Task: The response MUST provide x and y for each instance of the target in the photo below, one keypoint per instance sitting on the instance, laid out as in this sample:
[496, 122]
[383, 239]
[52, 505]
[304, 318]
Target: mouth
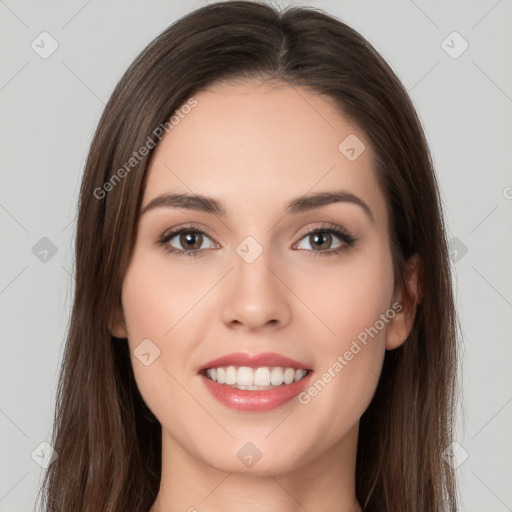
[254, 382]
[255, 379]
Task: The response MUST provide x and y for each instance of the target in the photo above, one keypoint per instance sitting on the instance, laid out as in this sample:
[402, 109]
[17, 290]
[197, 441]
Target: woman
[263, 313]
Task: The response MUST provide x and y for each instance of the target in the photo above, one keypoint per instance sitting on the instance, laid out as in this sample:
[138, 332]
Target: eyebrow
[297, 205]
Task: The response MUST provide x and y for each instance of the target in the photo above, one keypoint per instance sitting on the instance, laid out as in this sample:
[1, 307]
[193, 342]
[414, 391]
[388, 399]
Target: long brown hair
[108, 441]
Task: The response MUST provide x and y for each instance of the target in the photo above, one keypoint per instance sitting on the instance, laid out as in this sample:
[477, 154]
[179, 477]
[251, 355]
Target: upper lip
[254, 361]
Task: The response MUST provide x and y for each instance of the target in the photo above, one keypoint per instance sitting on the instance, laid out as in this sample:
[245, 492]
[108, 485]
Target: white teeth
[244, 377]
[230, 375]
[289, 375]
[299, 374]
[276, 376]
[262, 376]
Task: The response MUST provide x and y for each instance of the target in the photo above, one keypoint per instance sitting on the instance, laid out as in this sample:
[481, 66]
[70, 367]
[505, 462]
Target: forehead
[247, 141]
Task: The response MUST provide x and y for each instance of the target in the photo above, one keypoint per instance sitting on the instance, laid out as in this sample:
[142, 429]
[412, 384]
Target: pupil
[320, 238]
[191, 240]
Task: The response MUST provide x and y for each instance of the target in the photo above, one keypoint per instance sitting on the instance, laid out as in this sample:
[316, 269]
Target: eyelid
[324, 226]
[195, 228]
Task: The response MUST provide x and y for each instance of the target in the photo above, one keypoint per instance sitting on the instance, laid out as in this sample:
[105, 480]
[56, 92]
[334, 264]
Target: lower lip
[246, 400]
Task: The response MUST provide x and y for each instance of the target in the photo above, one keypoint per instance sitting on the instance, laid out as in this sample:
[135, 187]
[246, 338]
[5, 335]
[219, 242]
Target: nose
[255, 296]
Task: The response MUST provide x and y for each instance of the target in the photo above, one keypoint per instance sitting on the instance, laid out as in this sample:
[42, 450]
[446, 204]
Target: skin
[254, 146]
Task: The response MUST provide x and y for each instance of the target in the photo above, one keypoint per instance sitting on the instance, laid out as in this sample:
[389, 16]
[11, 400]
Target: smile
[254, 382]
[255, 379]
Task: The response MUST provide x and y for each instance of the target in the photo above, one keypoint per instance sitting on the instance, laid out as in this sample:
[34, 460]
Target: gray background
[50, 107]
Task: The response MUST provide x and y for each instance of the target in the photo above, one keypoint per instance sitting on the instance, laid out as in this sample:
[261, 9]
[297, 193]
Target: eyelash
[347, 239]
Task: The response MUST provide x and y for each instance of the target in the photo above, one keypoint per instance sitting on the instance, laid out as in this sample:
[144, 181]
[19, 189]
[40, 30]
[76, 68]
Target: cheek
[158, 306]
[357, 308]
[353, 301]
[156, 300]
[157, 296]
[349, 298]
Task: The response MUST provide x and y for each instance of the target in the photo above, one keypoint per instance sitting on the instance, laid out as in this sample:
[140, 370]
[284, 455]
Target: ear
[117, 324]
[408, 296]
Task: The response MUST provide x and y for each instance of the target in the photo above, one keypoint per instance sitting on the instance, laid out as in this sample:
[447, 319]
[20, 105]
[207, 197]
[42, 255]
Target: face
[260, 278]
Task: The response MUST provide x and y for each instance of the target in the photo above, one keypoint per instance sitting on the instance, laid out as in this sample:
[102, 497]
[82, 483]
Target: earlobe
[401, 325]
[117, 324]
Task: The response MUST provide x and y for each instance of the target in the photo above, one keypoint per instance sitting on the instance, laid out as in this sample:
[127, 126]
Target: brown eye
[327, 240]
[191, 240]
[320, 240]
[186, 241]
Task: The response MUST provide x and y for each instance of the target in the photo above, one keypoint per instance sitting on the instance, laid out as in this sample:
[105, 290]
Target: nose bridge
[251, 270]
[256, 296]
